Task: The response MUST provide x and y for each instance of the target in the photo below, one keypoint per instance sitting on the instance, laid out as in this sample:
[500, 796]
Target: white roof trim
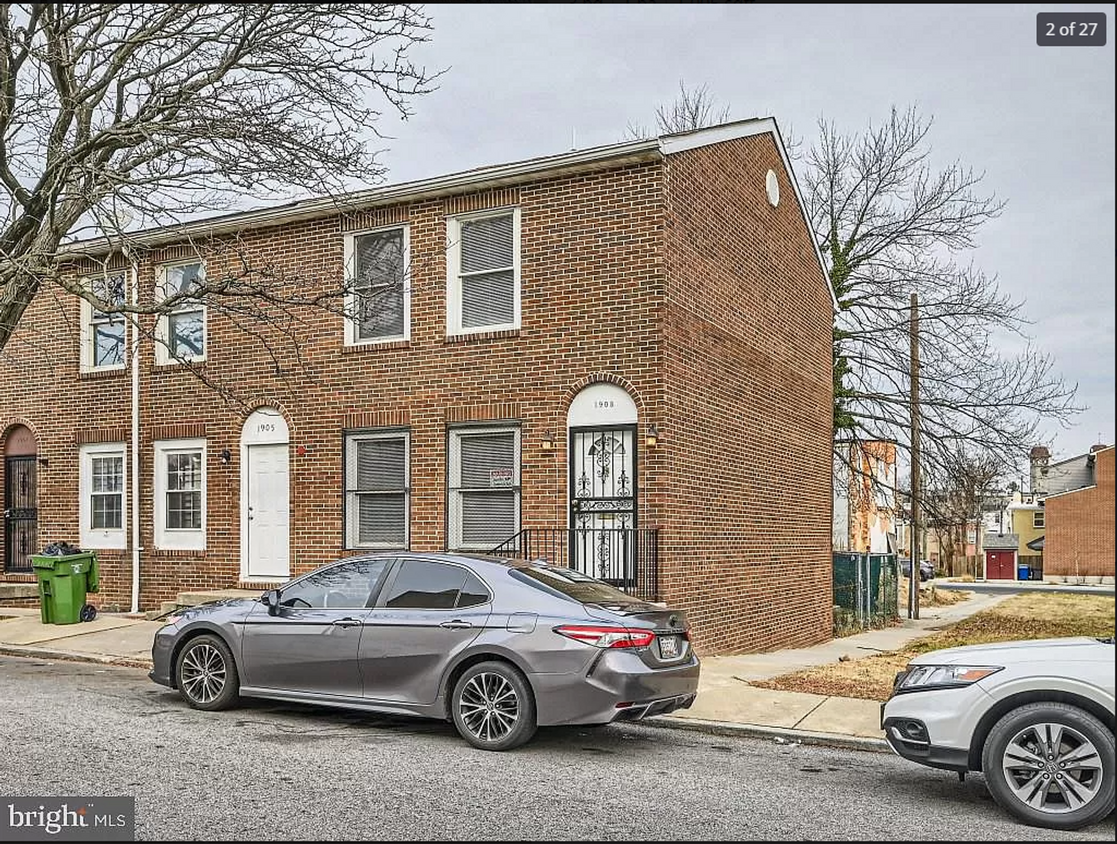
[745, 129]
[1069, 491]
[482, 178]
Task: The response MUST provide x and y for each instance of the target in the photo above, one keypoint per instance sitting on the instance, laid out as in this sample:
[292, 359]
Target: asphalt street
[274, 771]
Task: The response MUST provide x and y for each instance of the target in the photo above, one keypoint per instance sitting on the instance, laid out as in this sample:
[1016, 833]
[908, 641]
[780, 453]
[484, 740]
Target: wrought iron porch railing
[627, 558]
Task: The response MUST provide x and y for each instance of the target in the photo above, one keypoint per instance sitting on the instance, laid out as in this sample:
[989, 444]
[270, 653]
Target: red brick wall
[748, 430]
[1079, 539]
[591, 269]
[717, 325]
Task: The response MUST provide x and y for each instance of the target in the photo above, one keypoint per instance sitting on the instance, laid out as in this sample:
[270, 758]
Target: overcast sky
[1038, 120]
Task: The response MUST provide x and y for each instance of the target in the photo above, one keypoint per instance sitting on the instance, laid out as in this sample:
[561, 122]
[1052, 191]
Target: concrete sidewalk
[726, 703]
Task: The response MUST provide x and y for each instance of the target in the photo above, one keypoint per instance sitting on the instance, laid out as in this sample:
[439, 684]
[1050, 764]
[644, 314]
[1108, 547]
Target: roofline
[1071, 491]
[1085, 454]
[482, 178]
[744, 129]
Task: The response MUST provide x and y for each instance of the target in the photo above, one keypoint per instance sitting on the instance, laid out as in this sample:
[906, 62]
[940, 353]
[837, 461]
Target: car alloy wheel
[492, 707]
[489, 706]
[206, 674]
[1052, 768]
[1051, 765]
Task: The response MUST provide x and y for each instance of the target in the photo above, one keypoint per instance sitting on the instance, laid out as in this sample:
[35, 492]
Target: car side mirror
[270, 599]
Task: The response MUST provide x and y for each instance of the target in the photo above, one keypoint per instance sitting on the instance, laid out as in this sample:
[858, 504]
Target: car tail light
[606, 636]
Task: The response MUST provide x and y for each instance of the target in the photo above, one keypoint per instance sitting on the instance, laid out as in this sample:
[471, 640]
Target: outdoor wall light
[652, 438]
[226, 456]
[548, 443]
[44, 461]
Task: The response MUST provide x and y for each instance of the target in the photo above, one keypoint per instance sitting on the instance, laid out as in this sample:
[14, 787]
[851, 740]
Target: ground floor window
[180, 494]
[377, 494]
[102, 489]
[484, 487]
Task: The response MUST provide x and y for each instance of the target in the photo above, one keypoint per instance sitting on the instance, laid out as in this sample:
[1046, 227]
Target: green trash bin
[63, 583]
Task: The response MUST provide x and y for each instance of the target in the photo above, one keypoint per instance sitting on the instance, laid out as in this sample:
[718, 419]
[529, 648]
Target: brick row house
[616, 358]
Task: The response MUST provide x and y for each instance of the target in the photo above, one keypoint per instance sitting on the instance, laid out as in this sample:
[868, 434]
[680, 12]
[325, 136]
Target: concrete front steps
[193, 599]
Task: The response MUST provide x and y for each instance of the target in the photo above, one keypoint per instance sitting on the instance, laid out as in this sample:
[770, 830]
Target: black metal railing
[627, 558]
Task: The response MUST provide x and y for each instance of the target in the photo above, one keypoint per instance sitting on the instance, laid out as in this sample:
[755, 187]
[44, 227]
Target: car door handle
[346, 622]
[456, 625]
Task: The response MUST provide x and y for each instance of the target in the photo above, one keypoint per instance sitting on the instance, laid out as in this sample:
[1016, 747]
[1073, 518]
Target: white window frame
[101, 538]
[163, 356]
[453, 271]
[1039, 519]
[453, 482]
[188, 539]
[352, 522]
[88, 334]
[351, 296]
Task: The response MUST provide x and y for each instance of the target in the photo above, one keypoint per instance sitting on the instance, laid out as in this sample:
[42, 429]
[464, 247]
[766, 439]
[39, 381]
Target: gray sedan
[497, 646]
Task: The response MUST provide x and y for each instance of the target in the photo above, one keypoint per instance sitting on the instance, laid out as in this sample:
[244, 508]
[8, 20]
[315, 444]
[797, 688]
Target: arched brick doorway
[21, 495]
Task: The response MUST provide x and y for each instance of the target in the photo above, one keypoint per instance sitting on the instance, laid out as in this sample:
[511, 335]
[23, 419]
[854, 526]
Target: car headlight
[944, 676]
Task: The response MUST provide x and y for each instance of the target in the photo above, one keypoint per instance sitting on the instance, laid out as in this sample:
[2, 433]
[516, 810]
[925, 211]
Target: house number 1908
[604, 403]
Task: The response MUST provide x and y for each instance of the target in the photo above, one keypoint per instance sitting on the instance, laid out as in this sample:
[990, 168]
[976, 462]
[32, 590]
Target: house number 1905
[265, 427]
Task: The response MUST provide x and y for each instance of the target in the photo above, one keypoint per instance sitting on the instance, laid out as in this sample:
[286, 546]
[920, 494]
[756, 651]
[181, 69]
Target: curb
[780, 734]
[73, 656]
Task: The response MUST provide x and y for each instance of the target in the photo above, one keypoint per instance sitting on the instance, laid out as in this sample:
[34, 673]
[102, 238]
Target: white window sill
[486, 329]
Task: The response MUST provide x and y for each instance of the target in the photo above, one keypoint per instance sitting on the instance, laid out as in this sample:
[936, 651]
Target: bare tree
[116, 116]
[890, 224]
[693, 108]
[954, 504]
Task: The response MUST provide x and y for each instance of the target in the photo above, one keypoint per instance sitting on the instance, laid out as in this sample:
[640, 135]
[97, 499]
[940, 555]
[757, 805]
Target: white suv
[1037, 717]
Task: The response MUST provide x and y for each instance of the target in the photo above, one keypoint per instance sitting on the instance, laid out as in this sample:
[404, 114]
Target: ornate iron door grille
[603, 496]
[20, 514]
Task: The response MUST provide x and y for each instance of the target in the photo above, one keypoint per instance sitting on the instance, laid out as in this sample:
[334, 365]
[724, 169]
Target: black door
[603, 503]
[20, 514]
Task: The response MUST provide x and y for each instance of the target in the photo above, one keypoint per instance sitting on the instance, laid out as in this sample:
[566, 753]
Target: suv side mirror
[270, 599]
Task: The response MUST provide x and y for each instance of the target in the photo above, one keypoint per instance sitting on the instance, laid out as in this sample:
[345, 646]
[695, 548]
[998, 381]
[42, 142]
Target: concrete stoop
[193, 599]
[18, 591]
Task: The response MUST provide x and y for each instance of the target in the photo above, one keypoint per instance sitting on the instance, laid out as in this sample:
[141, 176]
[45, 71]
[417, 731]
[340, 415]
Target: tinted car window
[473, 592]
[427, 586]
[347, 586]
[573, 584]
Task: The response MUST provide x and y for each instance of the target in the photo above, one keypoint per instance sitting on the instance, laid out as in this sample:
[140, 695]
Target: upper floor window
[182, 330]
[180, 494]
[102, 344]
[483, 272]
[1038, 519]
[379, 297]
[103, 487]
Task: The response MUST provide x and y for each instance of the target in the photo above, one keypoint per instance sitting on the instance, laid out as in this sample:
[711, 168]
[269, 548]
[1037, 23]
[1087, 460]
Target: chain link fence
[865, 591]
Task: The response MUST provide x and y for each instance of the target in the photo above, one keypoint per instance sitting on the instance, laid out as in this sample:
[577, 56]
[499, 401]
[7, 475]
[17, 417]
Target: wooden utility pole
[913, 580]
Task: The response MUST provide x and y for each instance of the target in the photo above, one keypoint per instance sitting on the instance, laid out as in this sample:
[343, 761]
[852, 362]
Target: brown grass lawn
[1036, 616]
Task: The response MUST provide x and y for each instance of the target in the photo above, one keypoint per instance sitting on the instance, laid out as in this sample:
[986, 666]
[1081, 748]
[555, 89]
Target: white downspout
[134, 299]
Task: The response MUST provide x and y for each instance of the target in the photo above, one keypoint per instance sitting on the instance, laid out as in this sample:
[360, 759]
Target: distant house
[865, 509]
[1079, 514]
[1079, 539]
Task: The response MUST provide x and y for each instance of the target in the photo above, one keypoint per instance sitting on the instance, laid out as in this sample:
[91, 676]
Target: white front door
[268, 511]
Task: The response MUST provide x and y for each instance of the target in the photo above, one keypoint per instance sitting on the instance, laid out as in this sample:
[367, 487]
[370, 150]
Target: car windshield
[573, 584]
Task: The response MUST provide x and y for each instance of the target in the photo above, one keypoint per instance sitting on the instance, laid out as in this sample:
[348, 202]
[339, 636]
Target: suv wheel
[1051, 765]
[206, 675]
[493, 707]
